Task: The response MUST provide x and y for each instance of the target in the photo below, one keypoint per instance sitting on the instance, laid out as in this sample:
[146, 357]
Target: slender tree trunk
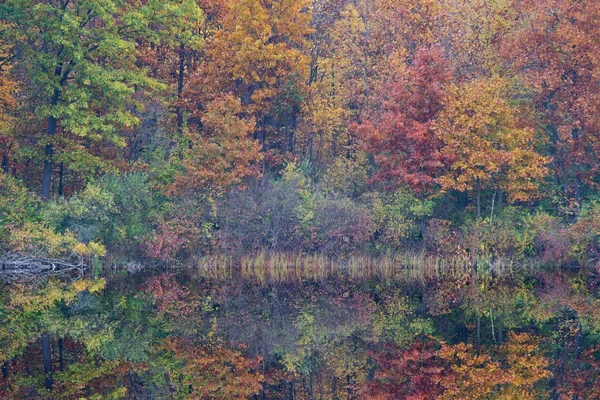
[493, 329]
[500, 201]
[47, 358]
[577, 343]
[334, 390]
[50, 132]
[478, 199]
[349, 386]
[310, 386]
[576, 169]
[48, 164]
[577, 184]
[61, 178]
[492, 213]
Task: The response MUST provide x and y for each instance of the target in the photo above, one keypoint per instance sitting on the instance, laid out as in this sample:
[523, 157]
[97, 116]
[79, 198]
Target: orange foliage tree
[258, 56]
[222, 154]
[213, 373]
[486, 144]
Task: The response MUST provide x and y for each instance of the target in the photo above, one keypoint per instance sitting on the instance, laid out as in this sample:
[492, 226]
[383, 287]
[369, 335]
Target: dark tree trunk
[478, 188]
[61, 173]
[349, 387]
[47, 358]
[576, 171]
[52, 123]
[63, 75]
[48, 164]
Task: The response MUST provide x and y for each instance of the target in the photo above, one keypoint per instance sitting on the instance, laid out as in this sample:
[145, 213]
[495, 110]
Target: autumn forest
[300, 199]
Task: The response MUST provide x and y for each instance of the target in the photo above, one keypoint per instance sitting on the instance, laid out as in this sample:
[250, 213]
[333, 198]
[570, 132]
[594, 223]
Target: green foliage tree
[79, 63]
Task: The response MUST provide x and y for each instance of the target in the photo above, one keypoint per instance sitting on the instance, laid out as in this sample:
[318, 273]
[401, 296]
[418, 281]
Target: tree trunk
[492, 213]
[478, 199]
[61, 173]
[47, 358]
[310, 386]
[349, 386]
[576, 170]
[493, 329]
[47, 177]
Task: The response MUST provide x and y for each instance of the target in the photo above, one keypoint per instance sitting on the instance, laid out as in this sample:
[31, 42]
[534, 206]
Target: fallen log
[19, 267]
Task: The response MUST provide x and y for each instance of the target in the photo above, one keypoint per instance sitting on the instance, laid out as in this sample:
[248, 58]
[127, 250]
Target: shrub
[443, 239]
[337, 225]
[550, 239]
[118, 211]
[187, 229]
[585, 237]
[399, 217]
[503, 238]
[136, 206]
[345, 177]
[17, 206]
[39, 240]
[559, 244]
[265, 215]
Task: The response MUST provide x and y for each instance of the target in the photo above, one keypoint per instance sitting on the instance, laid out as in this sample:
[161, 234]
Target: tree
[171, 51]
[222, 154]
[32, 314]
[486, 144]
[415, 374]
[525, 366]
[7, 103]
[474, 376]
[80, 62]
[213, 372]
[474, 31]
[257, 56]
[406, 147]
[554, 53]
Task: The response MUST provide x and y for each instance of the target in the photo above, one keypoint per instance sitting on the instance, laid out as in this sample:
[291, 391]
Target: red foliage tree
[555, 54]
[414, 374]
[403, 140]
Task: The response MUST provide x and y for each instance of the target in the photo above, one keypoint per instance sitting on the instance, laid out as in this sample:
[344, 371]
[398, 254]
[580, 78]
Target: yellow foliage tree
[7, 102]
[486, 144]
[256, 55]
[222, 154]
